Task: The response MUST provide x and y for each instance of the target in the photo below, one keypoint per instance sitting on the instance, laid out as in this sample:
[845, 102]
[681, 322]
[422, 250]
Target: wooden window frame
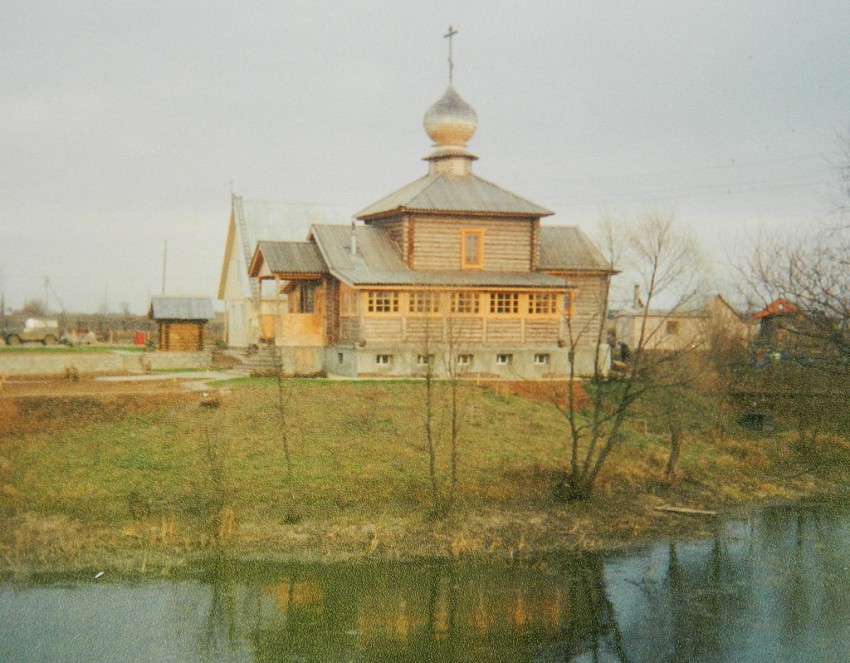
[424, 302]
[542, 303]
[457, 306]
[478, 263]
[504, 303]
[382, 302]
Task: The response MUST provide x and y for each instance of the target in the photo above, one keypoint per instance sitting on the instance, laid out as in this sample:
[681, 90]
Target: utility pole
[164, 262]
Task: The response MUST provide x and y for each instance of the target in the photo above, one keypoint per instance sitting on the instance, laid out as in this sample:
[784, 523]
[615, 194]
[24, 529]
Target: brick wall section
[55, 363]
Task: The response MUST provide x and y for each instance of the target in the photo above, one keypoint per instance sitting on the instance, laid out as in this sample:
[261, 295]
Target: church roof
[257, 220]
[267, 220]
[377, 262]
[375, 251]
[438, 192]
[565, 248]
[292, 257]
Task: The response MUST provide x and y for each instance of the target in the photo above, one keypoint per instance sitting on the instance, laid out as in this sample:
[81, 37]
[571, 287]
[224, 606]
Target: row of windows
[503, 359]
[430, 302]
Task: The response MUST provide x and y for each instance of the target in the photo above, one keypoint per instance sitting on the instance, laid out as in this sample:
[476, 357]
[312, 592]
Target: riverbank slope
[326, 471]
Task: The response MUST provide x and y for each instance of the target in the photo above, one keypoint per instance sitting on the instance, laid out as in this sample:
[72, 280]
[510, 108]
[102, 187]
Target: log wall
[181, 336]
[507, 243]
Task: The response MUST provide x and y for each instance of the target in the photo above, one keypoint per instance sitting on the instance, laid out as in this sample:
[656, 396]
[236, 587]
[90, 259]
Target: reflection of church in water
[436, 612]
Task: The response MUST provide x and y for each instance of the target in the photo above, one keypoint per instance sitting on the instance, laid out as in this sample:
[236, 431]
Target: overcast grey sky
[123, 124]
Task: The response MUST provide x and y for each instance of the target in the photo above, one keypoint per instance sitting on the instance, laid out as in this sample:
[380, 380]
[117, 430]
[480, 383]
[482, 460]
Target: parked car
[78, 337]
[35, 330]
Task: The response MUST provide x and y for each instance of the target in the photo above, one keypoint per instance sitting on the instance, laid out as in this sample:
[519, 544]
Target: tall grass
[360, 459]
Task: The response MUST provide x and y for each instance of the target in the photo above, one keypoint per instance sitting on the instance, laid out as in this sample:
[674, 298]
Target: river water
[774, 587]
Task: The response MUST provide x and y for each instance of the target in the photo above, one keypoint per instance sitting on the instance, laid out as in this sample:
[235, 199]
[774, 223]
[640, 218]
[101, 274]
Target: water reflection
[771, 588]
[555, 610]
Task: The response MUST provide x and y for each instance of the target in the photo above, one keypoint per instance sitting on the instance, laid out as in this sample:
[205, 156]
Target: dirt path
[91, 386]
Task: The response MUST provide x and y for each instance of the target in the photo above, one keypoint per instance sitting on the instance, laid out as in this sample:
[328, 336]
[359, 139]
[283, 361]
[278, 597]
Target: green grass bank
[141, 482]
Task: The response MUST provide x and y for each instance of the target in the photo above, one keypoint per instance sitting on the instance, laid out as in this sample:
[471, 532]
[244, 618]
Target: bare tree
[442, 372]
[811, 337]
[667, 261]
[812, 273]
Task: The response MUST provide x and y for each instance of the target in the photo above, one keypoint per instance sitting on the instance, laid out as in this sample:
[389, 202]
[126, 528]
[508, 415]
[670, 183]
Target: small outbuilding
[180, 321]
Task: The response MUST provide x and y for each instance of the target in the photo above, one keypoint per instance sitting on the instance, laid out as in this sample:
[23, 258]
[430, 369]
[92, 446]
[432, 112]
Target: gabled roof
[453, 194]
[779, 306]
[253, 221]
[289, 258]
[181, 308]
[377, 262]
[566, 248]
[266, 220]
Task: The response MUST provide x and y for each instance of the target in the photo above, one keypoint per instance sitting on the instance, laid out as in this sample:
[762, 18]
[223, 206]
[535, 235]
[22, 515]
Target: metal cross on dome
[451, 33]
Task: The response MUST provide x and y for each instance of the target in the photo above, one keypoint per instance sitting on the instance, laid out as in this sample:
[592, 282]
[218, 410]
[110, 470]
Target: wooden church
[451, 270]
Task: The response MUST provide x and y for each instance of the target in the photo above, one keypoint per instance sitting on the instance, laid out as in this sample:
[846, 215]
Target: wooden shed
[180, 321]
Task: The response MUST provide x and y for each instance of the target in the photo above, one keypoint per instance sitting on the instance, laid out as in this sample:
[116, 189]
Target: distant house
[252, 221]
[180, 321]
[672, 331]
[776, 322]
[449, 261]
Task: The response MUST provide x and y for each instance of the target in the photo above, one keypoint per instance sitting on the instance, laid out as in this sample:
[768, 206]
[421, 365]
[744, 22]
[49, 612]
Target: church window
[504, 303]
[424, 302]
[382, 301]
[465, 302]
[542, 303]
[473, 249]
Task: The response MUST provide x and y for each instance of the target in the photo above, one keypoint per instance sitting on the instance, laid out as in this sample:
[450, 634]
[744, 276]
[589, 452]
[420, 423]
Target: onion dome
[450, 122]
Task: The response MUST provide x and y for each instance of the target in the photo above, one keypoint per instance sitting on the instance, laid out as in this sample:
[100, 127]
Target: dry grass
[140, 479]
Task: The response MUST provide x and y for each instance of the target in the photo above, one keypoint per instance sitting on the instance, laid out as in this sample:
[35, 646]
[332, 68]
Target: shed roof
[439, 192]
[564, 248]
[181, 308]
